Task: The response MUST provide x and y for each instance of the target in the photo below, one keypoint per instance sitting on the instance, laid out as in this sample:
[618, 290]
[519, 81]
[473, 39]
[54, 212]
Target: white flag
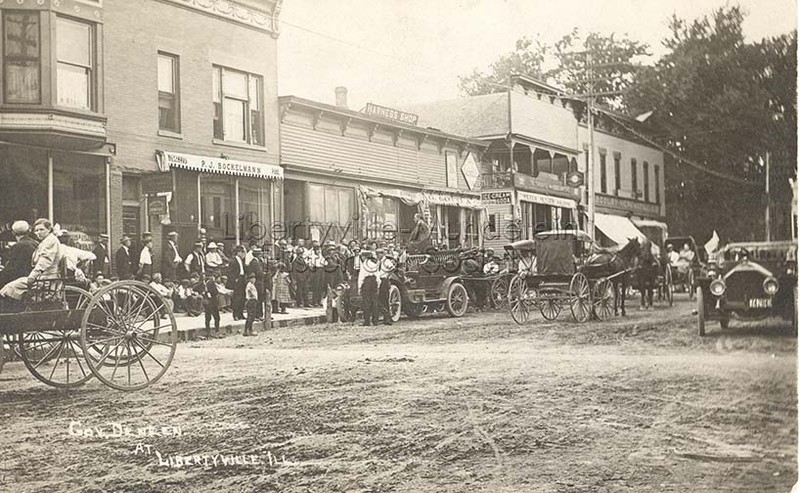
[712, 244]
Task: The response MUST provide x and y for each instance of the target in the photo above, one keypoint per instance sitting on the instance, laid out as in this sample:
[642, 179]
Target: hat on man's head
[251, 276]
[198, 244]
[103, 236]
[257, 249]
[172, 233]
[212, 246]
[124, 238]
[20, 227]
[146, 234]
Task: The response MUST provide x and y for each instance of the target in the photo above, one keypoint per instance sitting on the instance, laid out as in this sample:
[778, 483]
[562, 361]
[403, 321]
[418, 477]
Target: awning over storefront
[538, 198]
[208, 164]
[619, 229]
[427, 196]
[650, 223]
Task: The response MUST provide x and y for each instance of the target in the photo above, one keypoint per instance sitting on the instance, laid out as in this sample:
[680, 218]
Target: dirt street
[435, 405]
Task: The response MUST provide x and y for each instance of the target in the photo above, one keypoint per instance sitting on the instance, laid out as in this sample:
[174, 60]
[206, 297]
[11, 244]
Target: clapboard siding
[542, 120]
[301, 146]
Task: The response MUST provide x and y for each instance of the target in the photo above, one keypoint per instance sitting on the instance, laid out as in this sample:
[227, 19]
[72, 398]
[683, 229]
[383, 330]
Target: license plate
[760, 303]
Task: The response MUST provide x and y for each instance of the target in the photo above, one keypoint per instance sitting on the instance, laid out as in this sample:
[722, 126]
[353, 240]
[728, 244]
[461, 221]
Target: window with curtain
[74, 45]
[238, 106]
[168, 93]
[21, 57]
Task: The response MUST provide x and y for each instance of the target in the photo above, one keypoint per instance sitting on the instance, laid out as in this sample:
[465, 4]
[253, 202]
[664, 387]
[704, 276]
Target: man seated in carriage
[46, 262]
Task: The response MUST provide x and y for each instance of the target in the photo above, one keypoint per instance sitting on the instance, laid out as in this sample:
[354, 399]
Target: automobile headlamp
[717, 287]
[771, 286]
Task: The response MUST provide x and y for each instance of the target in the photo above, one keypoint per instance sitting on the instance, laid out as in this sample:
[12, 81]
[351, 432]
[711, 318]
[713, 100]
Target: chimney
[341, 97]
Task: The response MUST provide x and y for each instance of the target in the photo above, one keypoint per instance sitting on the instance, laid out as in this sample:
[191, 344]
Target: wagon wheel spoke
[550, 309]
[580, 297]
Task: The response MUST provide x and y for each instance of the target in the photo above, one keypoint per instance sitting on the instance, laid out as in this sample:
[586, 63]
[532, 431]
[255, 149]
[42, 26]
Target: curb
[236, 327]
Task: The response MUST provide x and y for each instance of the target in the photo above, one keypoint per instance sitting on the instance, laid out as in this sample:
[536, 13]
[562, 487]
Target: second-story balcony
[497, 180]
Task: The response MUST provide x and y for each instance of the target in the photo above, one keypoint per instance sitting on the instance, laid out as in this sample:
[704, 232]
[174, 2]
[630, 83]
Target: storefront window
[23, 184]
[254, 207]
[21, 57]
[382, 221]
[79, 192]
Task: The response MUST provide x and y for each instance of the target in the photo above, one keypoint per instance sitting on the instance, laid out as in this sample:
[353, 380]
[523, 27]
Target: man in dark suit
[123, 259]
[256, 267]
[101, 262]
[171, 258]
[19, 255]
[237, 281]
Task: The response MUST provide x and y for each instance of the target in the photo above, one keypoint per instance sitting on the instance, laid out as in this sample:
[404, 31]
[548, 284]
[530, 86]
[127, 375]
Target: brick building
[121, 116]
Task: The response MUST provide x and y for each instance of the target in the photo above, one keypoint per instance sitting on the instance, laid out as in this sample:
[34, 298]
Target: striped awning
[222, 166]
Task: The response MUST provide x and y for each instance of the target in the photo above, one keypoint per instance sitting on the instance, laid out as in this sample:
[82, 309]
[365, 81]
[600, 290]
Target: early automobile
[748, 281]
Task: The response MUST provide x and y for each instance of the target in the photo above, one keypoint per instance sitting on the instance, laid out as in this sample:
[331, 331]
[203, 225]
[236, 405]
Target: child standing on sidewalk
[251, 304]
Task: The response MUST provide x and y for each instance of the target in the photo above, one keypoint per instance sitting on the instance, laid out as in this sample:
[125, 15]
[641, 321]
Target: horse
[646, 270]
[616, 266]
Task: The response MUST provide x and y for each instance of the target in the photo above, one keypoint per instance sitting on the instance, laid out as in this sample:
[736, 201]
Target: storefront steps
[193, 328]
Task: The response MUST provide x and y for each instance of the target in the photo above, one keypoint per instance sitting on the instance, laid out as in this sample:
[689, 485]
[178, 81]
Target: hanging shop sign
[157, 206]
[471, 171]
[207, 164]
[153, 183]
[497, 198]
[391, 114]
[538, 198]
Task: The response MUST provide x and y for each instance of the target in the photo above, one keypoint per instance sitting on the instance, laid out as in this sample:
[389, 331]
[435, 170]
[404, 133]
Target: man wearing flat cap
[19, 255]
[101, 260]
[123, 258]
[170, 259]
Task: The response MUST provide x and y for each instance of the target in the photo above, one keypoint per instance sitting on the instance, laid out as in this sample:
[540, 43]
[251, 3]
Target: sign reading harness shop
[206, 164]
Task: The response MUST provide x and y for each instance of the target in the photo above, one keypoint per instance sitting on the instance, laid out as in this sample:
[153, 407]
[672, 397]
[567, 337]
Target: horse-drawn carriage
[124, 334]
[421, 283]
[486, 277]
[559, 269]
[684, 270]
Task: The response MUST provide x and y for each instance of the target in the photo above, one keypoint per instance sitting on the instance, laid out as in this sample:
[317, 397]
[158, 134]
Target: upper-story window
[646, 176]
[634, 178]
[75, 53]
[656, 170]
[603, 172]
[21, 57]
[617, 173]
[169, 112]
[238, 106]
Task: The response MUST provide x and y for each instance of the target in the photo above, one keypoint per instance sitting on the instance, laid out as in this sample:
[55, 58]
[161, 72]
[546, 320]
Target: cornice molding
[48, 122]
[267, 21]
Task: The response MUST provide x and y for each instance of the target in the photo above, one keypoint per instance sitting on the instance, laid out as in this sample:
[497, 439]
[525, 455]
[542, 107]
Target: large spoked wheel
[395, 303]
[690, 283]
[498, 298]
[518, 306]
[669, 289]
[603, 299]
[550, 309]
[701, 312]
[457, 300]
[580, 301]
[55, 357]
[129, 335]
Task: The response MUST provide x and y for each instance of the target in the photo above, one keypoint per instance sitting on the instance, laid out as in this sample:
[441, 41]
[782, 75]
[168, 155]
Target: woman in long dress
[45, 261]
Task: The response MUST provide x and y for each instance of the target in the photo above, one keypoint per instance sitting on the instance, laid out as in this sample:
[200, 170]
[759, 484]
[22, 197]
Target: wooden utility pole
[766, 212]
[590, 161]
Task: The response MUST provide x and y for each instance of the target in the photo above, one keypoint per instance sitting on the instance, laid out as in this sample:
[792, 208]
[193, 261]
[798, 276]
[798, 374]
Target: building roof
[475, 116]
[419, 128]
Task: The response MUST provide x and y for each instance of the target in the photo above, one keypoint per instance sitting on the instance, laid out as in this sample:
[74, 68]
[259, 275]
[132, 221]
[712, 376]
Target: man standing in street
[256, 268]
[146, 258]
[236, 282]
[124, 262]
[101, 262]
[171, 259]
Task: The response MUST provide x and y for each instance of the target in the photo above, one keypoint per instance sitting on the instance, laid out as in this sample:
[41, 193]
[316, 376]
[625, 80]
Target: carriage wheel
[457, 299]
[603, 299]
[499, 293]
[395, 303]
[520, 311]
[550, 309]
[580, 301]
[690, 283]
[55, 357]
[669, 289]
[129, 335]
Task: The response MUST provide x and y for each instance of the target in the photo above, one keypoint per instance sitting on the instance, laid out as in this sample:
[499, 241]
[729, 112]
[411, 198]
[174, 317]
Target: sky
[396, 52]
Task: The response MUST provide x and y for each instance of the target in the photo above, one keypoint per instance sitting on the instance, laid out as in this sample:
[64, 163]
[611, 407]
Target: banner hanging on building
[207, 164]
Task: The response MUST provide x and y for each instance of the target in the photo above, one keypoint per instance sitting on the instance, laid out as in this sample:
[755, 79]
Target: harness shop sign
[496, 198]
[207, 164]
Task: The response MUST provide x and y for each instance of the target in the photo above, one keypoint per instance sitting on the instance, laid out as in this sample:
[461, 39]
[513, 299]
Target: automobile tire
[701, 312]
